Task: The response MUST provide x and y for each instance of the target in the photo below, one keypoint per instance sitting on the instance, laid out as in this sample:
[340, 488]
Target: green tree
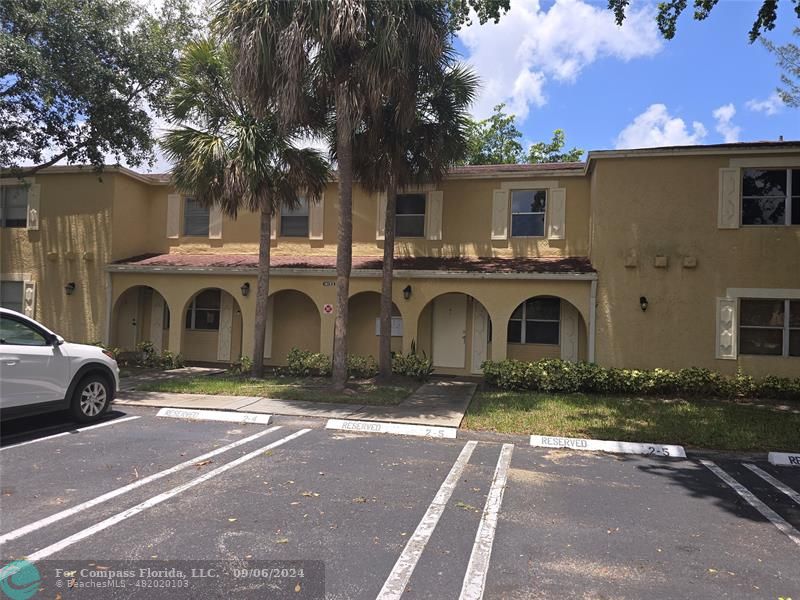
[549, 152]
[494, 141]
[412, 140]
[225, 155]
[788, 60]
[670, 10]
[79, 79]
[344, 56]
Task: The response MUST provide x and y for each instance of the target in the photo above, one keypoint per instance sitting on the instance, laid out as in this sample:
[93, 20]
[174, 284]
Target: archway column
[326, 327]
[499, 334]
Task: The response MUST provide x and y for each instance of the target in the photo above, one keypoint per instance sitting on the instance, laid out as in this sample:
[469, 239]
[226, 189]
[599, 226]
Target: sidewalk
[437, 403]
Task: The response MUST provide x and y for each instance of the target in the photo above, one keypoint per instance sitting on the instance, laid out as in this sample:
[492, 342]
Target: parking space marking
[151, 502]
[397, 581]
[26, 529]
[784, 459]
[662, 450]
[214, 415]
[774, 482]
[396, 428]
[478, 567]
[748, 496]
[71, 432]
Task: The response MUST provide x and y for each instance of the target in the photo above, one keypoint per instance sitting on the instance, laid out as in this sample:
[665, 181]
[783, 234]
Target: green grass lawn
[314, 389]
[711, 424]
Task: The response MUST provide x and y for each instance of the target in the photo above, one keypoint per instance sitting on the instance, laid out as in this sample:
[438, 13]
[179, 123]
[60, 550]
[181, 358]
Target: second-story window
[195, 218]
[203, 312]
[528, 209]
[294, 222]
[410, 218]
[771, 197]
[13, 205]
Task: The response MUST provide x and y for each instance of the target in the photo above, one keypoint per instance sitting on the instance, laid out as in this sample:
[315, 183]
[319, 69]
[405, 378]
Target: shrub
[169, 360]
[361, 367]
[302, 363]
[412, 365]
[243, 366]
[555, 375]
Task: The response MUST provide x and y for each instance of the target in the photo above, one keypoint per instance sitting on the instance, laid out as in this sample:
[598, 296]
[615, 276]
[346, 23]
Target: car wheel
[91, 398]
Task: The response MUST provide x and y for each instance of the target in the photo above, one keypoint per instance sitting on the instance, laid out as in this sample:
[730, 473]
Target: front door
[480, 336]
[450, 331]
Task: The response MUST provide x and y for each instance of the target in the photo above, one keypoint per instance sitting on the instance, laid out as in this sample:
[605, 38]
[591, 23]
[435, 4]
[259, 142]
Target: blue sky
[564, 64]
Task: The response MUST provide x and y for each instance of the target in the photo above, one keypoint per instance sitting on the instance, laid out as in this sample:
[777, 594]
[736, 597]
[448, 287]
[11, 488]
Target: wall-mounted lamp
[407, 292]
[643, 303]
[69, 288]
[245, 288]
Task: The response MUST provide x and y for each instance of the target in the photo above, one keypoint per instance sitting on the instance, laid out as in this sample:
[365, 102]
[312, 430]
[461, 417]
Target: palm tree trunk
[262, 292]
[344, 249]
[385, 347]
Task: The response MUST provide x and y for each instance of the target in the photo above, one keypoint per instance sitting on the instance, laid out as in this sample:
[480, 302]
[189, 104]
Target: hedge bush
[555, 375]
[412, 365]
[303, 363]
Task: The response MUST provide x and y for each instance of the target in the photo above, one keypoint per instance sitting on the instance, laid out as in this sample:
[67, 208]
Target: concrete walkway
[438, 403]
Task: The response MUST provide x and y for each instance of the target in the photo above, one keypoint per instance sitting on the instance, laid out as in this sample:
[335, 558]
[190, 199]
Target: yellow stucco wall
[668, 206]
[296, 324]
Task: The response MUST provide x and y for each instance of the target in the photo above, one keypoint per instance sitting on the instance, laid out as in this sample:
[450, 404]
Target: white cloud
[769, 106]
[516, 57]
[656, 127]
[724, 116]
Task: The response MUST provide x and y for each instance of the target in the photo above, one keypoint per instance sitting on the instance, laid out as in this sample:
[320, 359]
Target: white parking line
[12, 535]
[748, 496]
[398, 579]
[70, 432]
[478, 567]
[141, 507]
[774, 482]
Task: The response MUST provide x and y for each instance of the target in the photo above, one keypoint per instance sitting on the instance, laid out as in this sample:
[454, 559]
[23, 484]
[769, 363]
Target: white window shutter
[215, 222]
[29, 299]
[173, 216]
[380, 224]
[556, 213]
[225, 328]
[726, 328]
[500, 215]
[273, 225]
[316, 219]
[34, 212]
[433, 215]
[729, 199]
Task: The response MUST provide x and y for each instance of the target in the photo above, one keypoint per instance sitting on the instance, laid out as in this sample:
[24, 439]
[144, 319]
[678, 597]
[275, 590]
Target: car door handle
[9, 361]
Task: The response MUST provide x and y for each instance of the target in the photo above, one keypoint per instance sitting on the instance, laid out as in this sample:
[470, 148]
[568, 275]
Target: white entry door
[450, 331]
[480, 336]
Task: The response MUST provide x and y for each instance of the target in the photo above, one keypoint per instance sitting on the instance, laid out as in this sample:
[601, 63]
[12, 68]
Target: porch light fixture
[407, 292]
[69, 288]
[643, 303]
[245, 288]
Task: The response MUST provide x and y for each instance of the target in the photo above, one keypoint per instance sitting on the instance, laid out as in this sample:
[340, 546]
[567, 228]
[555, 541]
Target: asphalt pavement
[152, 507]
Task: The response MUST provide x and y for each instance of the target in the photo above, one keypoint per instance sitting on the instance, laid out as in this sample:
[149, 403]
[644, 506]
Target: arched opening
[140, 314]
[212, 327]
[364, 327]
[546, 327]
[293, 321]
[454, 331]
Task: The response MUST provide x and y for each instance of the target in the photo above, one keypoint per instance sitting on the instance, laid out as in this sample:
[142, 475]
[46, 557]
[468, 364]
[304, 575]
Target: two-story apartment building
[666, 257]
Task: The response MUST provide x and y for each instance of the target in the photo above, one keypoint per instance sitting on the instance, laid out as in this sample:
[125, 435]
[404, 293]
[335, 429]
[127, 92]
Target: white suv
[40, 372]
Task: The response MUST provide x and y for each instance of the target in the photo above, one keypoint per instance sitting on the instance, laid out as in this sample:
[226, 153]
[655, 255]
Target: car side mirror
[57, 340]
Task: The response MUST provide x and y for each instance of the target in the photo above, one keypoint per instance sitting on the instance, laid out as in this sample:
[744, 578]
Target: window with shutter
[13, 206]
[410, 216]
[769, 327]
[528, 208]
[536, 321]
[294, 222]
[11, 295]
[195, 218]
[771, 196]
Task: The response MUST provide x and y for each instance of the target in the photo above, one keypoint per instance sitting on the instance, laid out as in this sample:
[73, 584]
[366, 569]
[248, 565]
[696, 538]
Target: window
[13, 205]
[17, 333]
[195, 218]
[536, 321]
[203, 312]
[527, 212]
[769, 327]
[771, 197]
[294, 222]
[410, 217]
[11, 295]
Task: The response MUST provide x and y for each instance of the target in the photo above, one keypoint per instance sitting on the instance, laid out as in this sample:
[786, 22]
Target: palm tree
[343, 56]
[392, 153]
[224, 155]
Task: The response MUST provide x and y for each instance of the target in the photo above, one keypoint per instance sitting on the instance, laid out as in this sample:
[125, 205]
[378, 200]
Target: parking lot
[384, 516]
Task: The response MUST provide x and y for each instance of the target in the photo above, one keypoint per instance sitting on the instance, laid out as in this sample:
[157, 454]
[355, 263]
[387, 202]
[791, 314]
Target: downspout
[592, 318]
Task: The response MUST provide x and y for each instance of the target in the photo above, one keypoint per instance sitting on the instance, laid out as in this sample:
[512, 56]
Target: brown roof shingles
[576, 264]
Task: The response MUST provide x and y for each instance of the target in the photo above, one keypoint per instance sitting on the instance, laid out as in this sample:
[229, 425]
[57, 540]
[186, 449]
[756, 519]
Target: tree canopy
[496, 141]
[670, 10]
[81, 80]
[788, 60]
